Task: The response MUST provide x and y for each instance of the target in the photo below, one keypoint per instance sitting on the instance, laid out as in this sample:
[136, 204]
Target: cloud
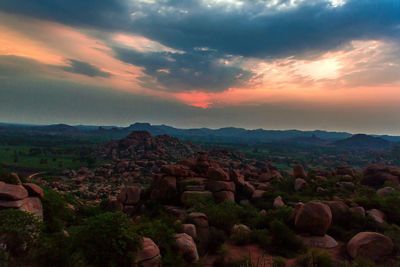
[246, 28]
[84, 68]
[195, 70]
[105, 14]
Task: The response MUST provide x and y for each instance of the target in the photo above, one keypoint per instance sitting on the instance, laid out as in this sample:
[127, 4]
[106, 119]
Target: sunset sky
[273, 64]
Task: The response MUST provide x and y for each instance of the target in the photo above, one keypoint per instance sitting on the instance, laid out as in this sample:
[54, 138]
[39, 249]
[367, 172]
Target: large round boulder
[299, 172]
[217, 174]
[313, 218]
[149, 255]
[129, 195]
[186, 247]
[369, 245]
[12, 192]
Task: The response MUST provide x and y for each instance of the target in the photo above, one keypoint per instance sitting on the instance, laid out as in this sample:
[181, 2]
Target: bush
[241, 237]
[55, 212]
[107, 239]
[162, 231]
[216, 239]
[315, 258]
[360, 262]
[284, 240]
[52, 250]
[19, 230]
[226, 214]
[261, 238]
[279, 262]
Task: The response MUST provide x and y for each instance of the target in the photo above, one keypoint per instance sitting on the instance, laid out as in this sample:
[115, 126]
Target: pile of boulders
[26, 197]
[313, 220]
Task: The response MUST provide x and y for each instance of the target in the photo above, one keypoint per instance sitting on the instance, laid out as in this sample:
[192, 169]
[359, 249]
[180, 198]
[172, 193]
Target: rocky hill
[142, 145]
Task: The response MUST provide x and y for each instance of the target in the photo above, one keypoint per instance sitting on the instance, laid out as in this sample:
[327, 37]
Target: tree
[108, 239]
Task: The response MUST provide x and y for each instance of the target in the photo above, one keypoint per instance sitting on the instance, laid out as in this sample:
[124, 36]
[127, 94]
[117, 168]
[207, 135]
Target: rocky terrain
[228, 210]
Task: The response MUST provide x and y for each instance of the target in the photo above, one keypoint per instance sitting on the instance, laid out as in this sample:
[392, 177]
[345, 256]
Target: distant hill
[222, 135]
[236, 135]
[363, 141]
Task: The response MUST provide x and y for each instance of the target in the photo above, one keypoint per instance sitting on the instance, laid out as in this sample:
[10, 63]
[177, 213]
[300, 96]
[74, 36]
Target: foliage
[261, 237]
[52, 250]
[284, 240]
[55, 211]
[20, 230]
[107, 239]
[161, 231]
[279, 262]
[315, 258]
[217, 237]
[226, 214]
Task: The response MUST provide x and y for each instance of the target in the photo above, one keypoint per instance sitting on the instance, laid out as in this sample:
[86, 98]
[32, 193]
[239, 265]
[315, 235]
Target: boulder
[376, 175]
[216, 186]
[199, 219]
[325, 241]
[248, 189]
[34, 190]
[32, 205]
[278, 202]
[358, 211]
[12, 192]
[345, 170]
[299, 172]
[186, 247]
[190, 229]
[240, 229]
[165, 189]
[385, 191]
[237, 177]
[313, 218]
[370, 245]
[223, 196]
[258, 194]
[299, 184]
[340, 211]
[129, 195]
[148, 255]
[377, 215]
[265, 177]
[188, 198]
[176, 170]
[217, 174]
[11, 203]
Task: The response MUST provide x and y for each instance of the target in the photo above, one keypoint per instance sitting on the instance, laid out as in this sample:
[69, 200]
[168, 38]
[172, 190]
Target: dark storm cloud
[186, 71]
[254, 29]
[84, 68]
[106, 14]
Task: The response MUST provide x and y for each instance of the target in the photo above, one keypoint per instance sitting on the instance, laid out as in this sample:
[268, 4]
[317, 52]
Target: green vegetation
[315, 258]
[107, 239]
[20, 231]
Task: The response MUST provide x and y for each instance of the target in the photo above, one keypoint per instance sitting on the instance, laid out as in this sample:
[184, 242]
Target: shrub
[241, 237]
[284, 240]
[393, 231]
[107, 239]
[162, 231]
[217, 238]
[315, 258]
[19, 230]
[279, 262]
[55, 211]
[226, 214]
[262, 238]
[360, 262]
[52, 250]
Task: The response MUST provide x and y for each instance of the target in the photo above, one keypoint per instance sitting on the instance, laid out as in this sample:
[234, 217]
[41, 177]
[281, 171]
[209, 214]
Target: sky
[273, 64]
